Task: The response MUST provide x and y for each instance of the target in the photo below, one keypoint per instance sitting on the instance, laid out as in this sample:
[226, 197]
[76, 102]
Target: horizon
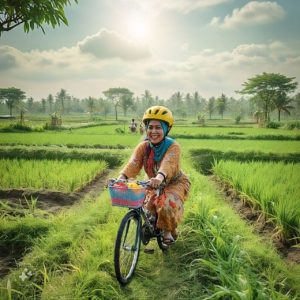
[209, 47]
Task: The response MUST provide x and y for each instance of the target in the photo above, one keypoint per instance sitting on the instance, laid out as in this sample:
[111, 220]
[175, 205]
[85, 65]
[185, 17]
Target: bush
[238, 119]
[274, 125]
[293, 125]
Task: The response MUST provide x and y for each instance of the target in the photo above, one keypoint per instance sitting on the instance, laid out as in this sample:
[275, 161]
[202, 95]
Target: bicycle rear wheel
[127, 247]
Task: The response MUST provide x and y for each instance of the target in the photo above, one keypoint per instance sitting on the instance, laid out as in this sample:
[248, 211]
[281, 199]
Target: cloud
[183, 6]
[253, 13]
[109, 44]
[209, 72]
[8, 57]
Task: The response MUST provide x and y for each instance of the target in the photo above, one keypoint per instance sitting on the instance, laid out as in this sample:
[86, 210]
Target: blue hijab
[161, 148]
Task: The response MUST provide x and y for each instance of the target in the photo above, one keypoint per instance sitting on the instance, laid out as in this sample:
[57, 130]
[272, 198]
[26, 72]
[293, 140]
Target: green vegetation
[66, 176]
[113, 158]
[273, 187]
[69, 254]
[205, 158]
[216, 255]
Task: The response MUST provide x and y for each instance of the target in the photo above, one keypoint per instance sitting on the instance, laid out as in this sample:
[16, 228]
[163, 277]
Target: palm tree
[211, 106]
[50, 101]
[282, 103]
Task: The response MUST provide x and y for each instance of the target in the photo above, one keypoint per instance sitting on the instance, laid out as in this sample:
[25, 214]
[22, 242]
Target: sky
[164, 46]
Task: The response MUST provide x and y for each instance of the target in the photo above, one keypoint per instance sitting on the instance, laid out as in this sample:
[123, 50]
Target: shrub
[273, 125]
[293, 125]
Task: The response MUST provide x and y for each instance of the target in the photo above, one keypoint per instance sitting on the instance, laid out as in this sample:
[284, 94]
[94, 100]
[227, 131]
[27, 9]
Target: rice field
[65, 176]
[217, 255]
[273, 187]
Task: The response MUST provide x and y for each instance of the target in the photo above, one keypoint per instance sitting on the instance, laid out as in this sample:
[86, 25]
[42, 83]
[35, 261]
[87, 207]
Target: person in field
[133, 126]
[159, 156]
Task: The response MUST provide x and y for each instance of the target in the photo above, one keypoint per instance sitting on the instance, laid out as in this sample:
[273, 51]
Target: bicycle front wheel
[127, 247]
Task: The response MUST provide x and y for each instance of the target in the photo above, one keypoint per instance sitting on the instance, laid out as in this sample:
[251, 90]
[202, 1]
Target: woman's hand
[155, 182]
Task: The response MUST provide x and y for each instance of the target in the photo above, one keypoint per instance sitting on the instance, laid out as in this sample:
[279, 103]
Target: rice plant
[67, 176]
[274, 186]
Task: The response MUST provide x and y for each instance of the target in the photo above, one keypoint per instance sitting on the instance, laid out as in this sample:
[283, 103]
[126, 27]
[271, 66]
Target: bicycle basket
[122, 195]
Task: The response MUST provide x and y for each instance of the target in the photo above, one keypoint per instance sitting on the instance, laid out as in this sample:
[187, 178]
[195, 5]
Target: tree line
[260, 96]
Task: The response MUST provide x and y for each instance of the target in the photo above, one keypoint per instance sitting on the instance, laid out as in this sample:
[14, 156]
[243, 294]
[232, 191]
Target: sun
[137, 28]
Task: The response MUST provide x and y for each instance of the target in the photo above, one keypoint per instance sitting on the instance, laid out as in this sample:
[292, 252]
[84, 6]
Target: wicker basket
[122, 195]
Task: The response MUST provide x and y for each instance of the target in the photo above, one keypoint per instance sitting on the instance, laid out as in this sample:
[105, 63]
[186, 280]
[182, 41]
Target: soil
[255, 218]
[49, 202]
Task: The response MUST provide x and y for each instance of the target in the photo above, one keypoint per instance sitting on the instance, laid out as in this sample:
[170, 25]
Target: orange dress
[169, 205]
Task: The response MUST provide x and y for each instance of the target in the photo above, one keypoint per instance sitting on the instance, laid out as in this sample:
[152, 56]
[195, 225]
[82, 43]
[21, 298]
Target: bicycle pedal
[149, 250]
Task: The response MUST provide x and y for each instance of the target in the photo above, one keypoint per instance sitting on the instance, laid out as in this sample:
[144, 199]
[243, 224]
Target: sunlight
[137, 28]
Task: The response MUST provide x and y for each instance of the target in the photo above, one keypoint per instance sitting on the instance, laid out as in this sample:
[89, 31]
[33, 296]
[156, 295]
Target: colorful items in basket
[127, 194]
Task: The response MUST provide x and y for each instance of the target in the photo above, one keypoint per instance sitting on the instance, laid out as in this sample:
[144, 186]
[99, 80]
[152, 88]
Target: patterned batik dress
[169, 205]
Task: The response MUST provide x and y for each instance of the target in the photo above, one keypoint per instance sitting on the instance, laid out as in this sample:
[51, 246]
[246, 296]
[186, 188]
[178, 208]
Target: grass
[274, 187]
[66, 176]
[216, 255]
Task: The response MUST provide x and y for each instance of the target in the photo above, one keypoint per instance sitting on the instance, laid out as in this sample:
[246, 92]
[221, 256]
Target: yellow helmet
[160, 113]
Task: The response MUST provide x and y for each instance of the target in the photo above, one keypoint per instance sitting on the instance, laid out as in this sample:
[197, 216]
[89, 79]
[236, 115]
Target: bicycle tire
[127, 247]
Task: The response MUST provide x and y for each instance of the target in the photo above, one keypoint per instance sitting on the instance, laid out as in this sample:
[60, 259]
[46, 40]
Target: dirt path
[255, 219]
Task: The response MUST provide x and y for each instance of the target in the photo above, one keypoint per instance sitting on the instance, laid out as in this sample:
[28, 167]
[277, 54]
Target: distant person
[133, 126]
[159, 155]
[142, 129]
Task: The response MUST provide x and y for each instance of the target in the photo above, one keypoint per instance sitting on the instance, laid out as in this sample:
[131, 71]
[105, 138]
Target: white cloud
[209, 72]
[253, 13]
[109, 44]
[183, 6]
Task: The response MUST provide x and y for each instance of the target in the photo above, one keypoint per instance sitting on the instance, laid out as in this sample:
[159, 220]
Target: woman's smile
[155, 132]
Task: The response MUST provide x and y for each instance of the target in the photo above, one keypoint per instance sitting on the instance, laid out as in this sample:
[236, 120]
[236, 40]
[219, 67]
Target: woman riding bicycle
[159, 155]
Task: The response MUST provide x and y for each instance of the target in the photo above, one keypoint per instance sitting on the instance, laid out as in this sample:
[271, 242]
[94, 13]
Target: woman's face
[155, 132]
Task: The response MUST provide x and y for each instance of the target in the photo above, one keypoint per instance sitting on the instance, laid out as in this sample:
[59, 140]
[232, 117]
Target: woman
[160, 157]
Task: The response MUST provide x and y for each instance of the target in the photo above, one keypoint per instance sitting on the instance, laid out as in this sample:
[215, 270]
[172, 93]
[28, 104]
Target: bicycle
[138, 225]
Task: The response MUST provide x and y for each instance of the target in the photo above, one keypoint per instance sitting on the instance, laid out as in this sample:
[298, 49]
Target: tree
[115, 95]
[147, 100]
[44, 104]
[222, 104]
[50, 101]
[126, 102]
[91, 103]
[32, 14]
[211, 106]
[104, 107]
[30, 101]
[12, 97]
[61, 97]
[282, 103]
[264, 88]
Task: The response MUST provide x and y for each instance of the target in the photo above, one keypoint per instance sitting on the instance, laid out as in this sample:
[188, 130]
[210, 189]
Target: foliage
[273, 125]
[238, 119]
[222, 104]
[32, 14]
[113, 159]
[283, 103]
[205, 158]
[17, 128]
[67, 176]
[266, 87]
[12, 97]
[293, 125]
[120, 96]
[273, 186]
